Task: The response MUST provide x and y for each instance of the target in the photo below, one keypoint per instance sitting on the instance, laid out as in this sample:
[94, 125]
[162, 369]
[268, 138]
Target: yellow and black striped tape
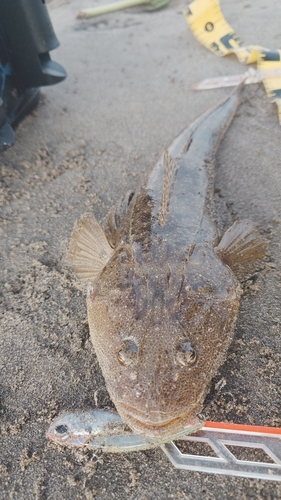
[209, 26]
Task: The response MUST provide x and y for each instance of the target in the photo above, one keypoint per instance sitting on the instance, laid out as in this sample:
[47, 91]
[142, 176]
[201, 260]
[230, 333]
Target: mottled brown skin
[166, 287]
[155, 394]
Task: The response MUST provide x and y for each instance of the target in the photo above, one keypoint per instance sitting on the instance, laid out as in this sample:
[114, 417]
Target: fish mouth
[152, 423]
[141, 415]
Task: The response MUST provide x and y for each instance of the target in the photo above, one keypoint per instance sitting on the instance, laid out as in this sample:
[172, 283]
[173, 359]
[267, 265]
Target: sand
[92, 138]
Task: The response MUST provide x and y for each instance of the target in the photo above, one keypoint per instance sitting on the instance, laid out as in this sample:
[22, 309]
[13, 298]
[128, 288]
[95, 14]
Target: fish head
[160, 336]
[71, 428]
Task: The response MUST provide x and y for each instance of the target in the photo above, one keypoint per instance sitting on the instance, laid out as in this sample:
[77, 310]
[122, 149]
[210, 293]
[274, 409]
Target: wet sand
[92, 138]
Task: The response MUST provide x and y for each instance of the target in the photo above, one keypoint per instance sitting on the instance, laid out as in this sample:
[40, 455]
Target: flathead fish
[162, 296]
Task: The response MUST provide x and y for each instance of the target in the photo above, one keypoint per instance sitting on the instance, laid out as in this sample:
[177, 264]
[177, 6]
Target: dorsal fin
[89, 250]
[170, 168]
[117, 215]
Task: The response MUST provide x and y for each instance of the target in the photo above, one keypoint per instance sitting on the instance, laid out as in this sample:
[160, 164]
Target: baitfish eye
[185, 354]
[127, 353]
[61, 430]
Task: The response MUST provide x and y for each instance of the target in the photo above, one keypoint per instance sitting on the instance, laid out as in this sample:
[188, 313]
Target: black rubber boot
[26, 37]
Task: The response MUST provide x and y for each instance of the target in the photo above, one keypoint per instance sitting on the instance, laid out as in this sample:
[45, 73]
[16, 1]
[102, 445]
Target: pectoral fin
[241, 244]
[89, 250]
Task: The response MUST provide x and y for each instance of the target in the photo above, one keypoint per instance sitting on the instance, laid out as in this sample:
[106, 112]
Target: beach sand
[92, 138]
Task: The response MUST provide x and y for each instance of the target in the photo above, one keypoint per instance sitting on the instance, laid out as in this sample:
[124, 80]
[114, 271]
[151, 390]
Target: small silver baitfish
[105, 430]
[162, 296]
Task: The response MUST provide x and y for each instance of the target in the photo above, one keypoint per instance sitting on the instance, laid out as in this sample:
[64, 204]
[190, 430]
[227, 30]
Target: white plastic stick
[250, 76]
[267, 439]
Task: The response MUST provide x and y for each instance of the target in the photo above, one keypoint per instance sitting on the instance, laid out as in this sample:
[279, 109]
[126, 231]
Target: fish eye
[61, 430]
[127, 353]
[185, 353]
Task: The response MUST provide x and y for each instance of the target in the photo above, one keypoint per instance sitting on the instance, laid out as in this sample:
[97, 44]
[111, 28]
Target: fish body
[162, 304]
